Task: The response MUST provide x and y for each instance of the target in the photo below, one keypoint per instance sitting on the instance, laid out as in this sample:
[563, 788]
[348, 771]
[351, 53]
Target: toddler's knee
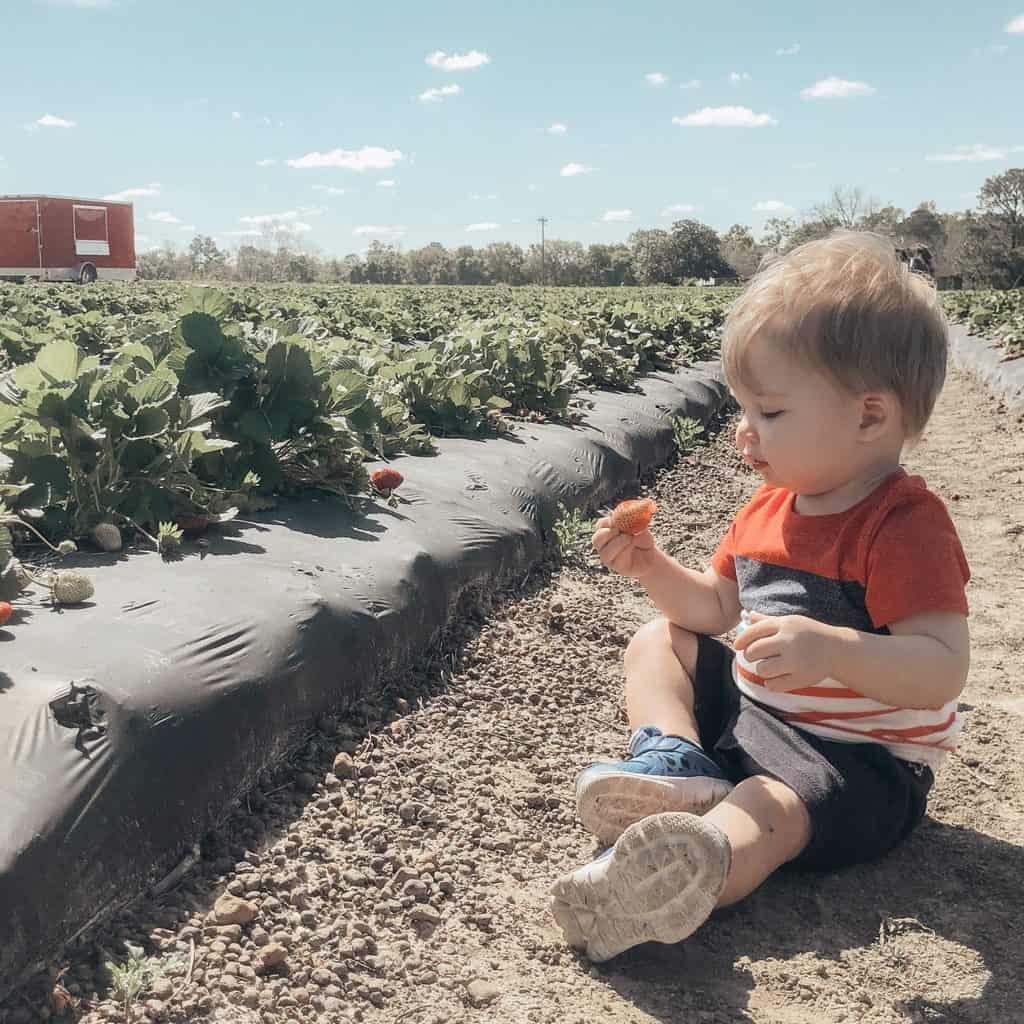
[660, 635]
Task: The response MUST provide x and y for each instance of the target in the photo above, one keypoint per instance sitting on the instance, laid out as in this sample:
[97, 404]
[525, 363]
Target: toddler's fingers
[603, 536]
[614, 547]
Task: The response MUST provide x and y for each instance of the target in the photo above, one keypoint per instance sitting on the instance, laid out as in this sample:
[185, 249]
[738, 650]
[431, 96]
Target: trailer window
[91, 231]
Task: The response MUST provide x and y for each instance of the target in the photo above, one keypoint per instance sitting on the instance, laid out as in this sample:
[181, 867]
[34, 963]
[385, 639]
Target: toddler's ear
[876, 414]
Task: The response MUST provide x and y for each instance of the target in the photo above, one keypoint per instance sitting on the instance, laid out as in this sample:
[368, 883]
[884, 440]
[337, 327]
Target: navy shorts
[862, 800]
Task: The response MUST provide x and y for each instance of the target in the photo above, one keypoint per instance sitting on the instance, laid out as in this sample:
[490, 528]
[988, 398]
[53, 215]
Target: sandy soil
[410, 883]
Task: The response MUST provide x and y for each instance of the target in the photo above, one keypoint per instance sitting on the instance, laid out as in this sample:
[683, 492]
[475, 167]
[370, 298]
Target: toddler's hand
[787, 651]
[624, 553]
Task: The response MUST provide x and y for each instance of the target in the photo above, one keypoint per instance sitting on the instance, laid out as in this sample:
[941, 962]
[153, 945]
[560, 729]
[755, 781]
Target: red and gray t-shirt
[894, 554]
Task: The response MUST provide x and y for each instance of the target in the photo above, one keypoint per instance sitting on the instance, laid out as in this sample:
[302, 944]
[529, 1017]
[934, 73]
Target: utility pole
[542, 221]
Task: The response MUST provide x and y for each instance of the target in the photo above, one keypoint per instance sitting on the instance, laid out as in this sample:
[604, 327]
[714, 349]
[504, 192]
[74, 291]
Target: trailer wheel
[87, 275]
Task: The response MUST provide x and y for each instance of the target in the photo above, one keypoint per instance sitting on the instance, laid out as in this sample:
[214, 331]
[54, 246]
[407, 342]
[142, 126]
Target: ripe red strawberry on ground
[5, 611]
[386, 479]
[634, 515]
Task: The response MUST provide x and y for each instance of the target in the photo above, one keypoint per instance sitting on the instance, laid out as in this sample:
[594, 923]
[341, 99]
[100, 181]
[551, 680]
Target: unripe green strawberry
[71, 587]
[107, 536]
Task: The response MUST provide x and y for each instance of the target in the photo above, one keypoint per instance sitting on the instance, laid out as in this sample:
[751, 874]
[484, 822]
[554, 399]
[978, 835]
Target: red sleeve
[722, 560]
[916, 563]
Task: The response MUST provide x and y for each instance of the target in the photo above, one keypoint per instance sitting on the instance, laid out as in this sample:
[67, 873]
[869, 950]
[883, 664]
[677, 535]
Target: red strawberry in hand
[634, 515]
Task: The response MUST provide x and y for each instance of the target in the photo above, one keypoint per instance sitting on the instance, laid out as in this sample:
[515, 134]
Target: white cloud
[571, 170]
[617, 215]
[693, 83]
[49, 121]
[457, 61]
[490, 195]
[655, 78]
[385, 183]
[331, 190]
[483, 226]
[437, 95]
[247, 233]
[1016, 25]
[679, 208]
[972, 154]
[382, 230]
[737, 77]
[724, 117]
[135, 193]
[300, 226]
[269, 162]
[833, 88]
[368, 158]
[788, 51]
[235, 115]
[557, 129]
[774, 206]
[186, 227]
[280, 218]
[163, 217]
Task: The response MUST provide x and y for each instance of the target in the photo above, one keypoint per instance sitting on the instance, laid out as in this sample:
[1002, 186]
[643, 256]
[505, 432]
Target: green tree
[383, 264]
[469, 266]
[653, 256]
[505, 263]
[432, 264]
[925, 226]
[205, 258]
[740, 251]
[696, 252]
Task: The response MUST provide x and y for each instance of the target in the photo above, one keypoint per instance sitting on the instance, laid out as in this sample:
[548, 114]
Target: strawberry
[5, 611]
[386, 479]
[634, 515]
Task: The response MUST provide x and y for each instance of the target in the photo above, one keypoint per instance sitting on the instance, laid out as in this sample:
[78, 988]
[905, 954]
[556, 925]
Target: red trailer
[55, 238]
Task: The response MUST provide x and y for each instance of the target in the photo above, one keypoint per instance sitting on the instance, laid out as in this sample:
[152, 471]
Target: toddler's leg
[659, 664]
[767, 825]
[665, 874]
[667, 770]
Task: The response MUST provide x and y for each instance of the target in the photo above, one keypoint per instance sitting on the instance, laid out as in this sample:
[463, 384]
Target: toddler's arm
[923, 664]
[690, 599]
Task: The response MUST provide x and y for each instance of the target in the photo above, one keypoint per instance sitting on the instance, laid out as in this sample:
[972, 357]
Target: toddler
[813, 739]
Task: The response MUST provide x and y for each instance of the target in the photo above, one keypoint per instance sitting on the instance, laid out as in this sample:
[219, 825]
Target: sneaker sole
[660, 884]
[610, 802]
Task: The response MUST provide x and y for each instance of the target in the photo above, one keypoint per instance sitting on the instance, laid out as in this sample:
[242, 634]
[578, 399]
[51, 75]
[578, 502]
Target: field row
[140, 405]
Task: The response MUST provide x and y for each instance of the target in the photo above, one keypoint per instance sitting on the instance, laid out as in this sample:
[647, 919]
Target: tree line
[979, 248]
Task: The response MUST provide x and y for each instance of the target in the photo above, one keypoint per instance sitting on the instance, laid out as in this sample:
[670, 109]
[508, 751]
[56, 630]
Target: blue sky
[605, 117]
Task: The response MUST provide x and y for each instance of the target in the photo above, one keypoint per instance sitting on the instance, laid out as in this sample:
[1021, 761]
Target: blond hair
[848, 306]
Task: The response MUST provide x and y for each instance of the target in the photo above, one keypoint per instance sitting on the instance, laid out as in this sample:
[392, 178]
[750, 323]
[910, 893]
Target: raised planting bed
[989, 360]
[131, 725]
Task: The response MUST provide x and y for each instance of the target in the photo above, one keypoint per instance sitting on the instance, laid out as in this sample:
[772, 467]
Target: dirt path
[414, 887]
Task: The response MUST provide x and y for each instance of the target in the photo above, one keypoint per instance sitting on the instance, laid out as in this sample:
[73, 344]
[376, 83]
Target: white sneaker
[659, 882]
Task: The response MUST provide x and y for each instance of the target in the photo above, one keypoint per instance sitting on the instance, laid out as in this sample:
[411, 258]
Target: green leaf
[51, 471]
[61, 361]
[289, 365]
[253, 425]
[197, 407]
[210, 301]
[155, 389]
[149, 421]
[202, 334]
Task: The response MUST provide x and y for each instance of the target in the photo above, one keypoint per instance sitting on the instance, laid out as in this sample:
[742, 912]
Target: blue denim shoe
[659, 882]
[663, 773]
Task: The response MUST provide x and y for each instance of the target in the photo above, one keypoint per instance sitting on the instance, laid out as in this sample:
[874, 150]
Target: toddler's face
[798, 428]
